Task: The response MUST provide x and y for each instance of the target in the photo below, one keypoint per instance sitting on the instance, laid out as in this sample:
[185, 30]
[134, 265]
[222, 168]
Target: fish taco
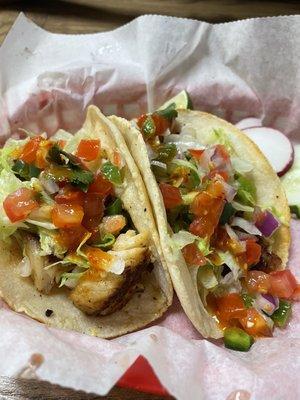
[222, 217]
[79, 246]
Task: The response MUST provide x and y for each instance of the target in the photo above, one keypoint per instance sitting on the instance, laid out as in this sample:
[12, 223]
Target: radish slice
[276, 147]
[249, 123]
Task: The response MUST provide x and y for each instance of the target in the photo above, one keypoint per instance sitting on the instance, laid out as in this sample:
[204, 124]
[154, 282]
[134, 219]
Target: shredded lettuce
[107, 241]
[221, 138]
[6, 159]
[246, 191]
[46, 225]
[189, 197]
[182, 239]
[79, 252]
[241, 166]
[49, 244]
[203, 246]
[187, 164]
[206, 277]
[61, 134]
[8, 183]
[70, 279]
[78, 260]
[241, 207]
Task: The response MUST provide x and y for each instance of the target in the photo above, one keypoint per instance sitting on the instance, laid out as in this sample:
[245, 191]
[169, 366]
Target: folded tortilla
[145, 306]
[269, 191]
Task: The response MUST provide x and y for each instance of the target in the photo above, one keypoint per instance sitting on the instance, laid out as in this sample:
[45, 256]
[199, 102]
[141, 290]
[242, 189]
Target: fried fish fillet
[102, 293]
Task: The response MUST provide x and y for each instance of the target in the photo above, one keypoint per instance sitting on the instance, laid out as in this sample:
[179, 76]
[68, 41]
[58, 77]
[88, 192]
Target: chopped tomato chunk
[68, 195]
[101, 186]
[253, 252]
[222, 241]
[30, 149]
[230, 306]
[215, 173]
[255, 324]
[171, 195]
[93, 205]
[19, 204]
[67, 215]
[89, 149]
[283, 284]
[161, 124]
[193, 255]
[258, 282]
[196, 153]
[71, 237]
[207, 207]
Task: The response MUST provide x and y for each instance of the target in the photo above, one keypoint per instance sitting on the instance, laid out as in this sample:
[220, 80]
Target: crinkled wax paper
[235, 70]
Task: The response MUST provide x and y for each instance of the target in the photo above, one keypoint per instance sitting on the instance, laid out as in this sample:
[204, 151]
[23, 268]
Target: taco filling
[61, 200]
[224, 235]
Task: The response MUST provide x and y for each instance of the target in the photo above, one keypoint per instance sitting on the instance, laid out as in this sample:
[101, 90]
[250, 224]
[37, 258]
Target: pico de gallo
[61, 199]
[224, 236]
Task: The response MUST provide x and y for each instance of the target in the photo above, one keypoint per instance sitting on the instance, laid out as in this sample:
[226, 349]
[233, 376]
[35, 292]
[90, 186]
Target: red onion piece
[272, 299]
[267, 224]
[265, 305]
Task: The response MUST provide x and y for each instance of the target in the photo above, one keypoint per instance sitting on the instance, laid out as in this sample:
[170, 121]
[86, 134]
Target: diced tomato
[216, 189]
[161, 124]
[230, 306]
[196, 153]
[68, 195]
[88, 150]
[208, 207]
[99, 260]
[254, 323]
[222, 241]
[296, 293]
[19, 204]
[67, 215]
[30, 149]
[258, 282]
[283, 284]
[193, 255]
[253, 252]
[201, 204]
[101, 186]
[171, 195]
[93, 205]
[215, 173]
[72, 237]
[113, 224]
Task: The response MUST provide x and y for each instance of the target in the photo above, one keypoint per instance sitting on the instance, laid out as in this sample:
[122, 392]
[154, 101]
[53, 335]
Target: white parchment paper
[235, 70]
